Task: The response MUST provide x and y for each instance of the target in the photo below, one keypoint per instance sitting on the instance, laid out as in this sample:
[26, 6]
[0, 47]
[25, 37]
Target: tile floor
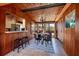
[56, 49]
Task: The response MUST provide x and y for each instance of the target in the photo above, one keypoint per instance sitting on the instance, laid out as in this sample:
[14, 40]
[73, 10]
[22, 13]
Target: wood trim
[63, 11]
[43, 7]
[46, 22]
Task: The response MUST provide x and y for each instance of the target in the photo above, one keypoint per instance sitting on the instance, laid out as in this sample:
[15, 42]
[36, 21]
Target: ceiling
[2, 4]
[31, 5]
[48, 14]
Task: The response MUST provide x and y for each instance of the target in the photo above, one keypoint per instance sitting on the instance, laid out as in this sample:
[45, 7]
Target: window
[52, 27]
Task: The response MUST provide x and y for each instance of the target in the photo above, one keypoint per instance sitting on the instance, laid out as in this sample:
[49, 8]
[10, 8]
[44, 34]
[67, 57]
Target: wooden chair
[46, 40]
[38, 39]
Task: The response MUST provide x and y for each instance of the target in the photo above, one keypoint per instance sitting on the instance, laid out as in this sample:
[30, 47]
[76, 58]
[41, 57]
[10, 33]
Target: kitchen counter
[14, 31]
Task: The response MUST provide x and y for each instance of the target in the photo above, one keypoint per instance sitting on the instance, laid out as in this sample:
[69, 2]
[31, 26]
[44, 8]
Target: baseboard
[59, 40]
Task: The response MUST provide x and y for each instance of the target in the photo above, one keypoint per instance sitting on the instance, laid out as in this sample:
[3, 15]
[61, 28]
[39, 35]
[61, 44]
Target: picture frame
[70, 20]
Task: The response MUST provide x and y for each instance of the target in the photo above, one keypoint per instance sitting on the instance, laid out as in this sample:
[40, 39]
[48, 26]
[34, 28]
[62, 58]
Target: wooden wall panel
[77, 29]
[2, 29]
[7, 39]
[60, 30]
[69, 33]
[69, 41]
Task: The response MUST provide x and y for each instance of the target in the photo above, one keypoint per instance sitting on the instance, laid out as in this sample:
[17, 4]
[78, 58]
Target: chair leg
[15, 46]
[37, 42]
[42, 42]
[45, 43]
[22, 46]
[18, 49]
[50, 42]
[13, 49]
[25, 44]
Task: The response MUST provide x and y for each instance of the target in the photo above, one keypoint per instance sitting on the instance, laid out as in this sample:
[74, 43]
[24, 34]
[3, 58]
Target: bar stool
[18, 43]
[27, 39]
[24, 40]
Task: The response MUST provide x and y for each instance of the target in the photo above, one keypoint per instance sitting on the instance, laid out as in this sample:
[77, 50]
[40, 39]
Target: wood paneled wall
[68, 33]
[69, 36]
[60, 31]
[7, 38]
[77, 29]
